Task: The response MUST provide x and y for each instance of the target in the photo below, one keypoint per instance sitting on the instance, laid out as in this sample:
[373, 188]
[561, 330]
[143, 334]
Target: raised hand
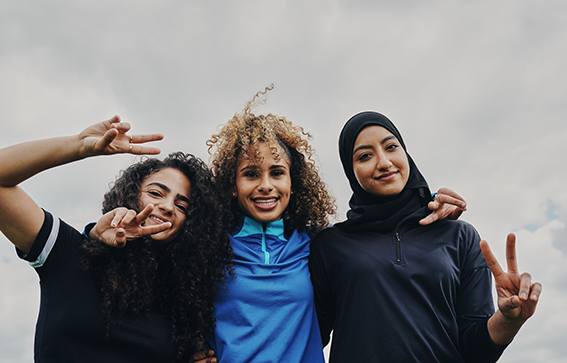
[110, 137]
[447, 204]
[120, 225]
[517, 295]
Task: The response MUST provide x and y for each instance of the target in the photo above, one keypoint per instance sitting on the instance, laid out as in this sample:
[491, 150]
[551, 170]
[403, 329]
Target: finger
[128, 218]
[123, 127]
[103, 143]
[451, 193]
[535, 291]
[118, 216]
[120, 237]
[511, 253]
[507, 304]
[114, 119]
[143, 150]
[447, 199]
[429, 219]
[149, 230]
[203, 354]
[144, 214]
[111, 122]
[141, 139]
[434, 204]
[490, 259]
[525, 285]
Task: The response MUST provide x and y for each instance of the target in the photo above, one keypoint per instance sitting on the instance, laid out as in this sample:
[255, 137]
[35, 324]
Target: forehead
[372, 134]
[170, 177]
[264, 153]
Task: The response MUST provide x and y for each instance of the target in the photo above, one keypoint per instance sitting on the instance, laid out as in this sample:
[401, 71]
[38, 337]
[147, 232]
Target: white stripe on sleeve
[48, 245]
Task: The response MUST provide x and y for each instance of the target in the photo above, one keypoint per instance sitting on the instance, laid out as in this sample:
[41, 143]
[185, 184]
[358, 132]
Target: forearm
[502, 329]
[22, 161]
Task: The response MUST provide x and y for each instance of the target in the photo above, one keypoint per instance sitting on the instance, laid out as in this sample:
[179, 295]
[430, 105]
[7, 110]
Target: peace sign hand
[121, 225]
[517, 295]
[109, 137]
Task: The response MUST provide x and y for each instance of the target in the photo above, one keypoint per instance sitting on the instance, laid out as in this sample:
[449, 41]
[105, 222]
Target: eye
[154, 193]
[182, 207]
[363, 156]
[277, 173]
[392, 146]
[251, 174]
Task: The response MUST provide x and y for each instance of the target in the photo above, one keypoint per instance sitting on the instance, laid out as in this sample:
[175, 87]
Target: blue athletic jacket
[265, 313]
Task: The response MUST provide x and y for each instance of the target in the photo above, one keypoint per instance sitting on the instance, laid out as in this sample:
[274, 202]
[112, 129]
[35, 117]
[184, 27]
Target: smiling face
[379, 161]
[263, 188]
[168, 190]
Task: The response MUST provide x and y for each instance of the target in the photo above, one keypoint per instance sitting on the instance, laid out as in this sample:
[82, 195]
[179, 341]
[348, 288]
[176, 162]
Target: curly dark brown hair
[310, 205]
[180, 277]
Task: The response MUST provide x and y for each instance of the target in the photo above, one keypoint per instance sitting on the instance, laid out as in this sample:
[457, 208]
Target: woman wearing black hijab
[392, 290]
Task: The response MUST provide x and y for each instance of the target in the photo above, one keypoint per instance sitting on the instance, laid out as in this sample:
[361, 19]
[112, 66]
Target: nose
[383, 161]
[167, 205]
[265, 184]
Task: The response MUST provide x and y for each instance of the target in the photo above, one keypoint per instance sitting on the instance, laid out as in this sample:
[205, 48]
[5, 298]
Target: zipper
[264, 249]
[398, 248]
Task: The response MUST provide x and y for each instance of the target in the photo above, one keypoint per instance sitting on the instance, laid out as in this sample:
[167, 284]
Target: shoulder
[56, 241]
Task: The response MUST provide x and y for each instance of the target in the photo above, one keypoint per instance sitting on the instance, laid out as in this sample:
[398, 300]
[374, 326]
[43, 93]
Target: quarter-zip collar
[252, 227]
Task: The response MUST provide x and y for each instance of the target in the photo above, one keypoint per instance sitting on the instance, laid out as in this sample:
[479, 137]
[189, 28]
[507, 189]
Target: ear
[233, 192]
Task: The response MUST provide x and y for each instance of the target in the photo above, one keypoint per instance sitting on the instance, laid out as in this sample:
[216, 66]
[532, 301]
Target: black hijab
[368, 211]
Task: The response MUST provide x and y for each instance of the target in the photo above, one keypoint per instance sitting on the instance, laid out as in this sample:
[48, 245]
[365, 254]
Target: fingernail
[534, 297]
[523, 296]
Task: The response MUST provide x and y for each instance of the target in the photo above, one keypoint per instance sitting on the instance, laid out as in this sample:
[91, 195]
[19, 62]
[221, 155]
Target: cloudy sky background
[477, 89]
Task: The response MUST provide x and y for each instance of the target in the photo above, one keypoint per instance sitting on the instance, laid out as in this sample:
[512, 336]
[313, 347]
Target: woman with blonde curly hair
[263, 167]
[276, 202]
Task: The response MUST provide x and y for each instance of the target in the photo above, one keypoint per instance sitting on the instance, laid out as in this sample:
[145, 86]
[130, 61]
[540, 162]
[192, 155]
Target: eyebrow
[256, 167]
[166, 188]
[384, 140]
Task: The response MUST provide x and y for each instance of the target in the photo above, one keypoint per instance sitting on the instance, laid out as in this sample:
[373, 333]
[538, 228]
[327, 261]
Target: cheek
[360, 173]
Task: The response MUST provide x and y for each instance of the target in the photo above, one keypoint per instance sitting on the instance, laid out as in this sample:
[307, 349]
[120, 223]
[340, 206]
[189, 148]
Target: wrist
[502, 328]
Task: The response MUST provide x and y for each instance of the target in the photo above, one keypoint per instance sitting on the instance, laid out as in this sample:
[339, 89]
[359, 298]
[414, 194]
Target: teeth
[159, 221]
[265, 201]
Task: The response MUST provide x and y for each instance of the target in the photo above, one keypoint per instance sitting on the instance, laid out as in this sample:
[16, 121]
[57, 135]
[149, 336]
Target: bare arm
[20, 217]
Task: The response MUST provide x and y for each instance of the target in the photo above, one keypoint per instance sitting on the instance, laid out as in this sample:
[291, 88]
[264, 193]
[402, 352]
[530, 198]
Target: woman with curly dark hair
[150, 301]
[263, 167]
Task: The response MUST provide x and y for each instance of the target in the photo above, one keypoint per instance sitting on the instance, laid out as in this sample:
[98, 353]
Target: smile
[157, 220]
[387, 177]
[265, 203]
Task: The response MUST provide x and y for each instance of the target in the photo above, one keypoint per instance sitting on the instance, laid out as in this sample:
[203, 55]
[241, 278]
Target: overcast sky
[477, 89]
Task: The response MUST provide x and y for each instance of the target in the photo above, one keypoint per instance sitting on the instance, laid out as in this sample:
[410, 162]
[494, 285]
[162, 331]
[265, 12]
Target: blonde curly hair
[310, 205]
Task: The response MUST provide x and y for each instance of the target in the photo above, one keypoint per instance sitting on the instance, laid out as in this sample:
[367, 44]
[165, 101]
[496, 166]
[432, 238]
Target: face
[168, 190]
[263, 189]
[379, 161]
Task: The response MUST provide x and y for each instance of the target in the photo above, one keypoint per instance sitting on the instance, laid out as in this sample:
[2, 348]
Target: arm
[120, 225]
[324, 302]
[517, 295]
[20, 217]
[446, 204]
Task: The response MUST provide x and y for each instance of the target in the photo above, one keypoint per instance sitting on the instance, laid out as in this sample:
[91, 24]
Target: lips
[265, 203]
[387, 176]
